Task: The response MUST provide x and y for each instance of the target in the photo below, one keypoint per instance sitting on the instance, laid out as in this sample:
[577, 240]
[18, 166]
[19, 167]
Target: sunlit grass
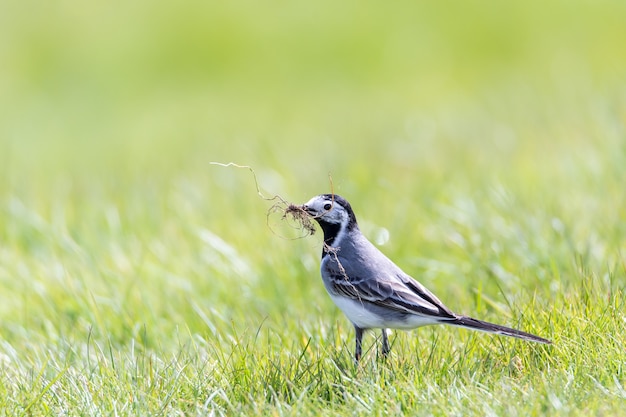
[483, 143]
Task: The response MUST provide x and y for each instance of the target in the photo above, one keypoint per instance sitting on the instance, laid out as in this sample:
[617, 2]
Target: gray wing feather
[383, 285]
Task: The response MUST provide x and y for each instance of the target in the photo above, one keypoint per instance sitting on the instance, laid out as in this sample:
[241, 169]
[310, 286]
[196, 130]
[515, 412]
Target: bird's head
[332, 212]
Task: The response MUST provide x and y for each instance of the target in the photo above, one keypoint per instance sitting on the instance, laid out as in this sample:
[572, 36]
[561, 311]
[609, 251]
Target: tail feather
[470, 323]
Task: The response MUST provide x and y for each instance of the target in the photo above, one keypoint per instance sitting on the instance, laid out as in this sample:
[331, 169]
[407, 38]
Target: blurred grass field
[482, 145]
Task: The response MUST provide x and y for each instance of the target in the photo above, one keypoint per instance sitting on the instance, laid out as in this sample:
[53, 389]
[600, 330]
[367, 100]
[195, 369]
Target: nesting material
[295, 216]
[290, 211]
[299, 215]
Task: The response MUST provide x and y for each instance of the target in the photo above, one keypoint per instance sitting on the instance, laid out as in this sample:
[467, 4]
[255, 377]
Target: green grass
[487, 140]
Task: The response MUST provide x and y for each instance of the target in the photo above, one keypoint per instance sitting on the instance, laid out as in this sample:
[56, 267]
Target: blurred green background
[468, 130]
[356, 89]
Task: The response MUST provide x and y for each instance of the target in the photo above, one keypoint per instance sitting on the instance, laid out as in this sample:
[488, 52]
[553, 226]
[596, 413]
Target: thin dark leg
[386, 348]
[359, 340]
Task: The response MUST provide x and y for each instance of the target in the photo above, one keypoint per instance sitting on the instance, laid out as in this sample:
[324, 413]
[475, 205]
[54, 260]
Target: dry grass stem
[288, 210]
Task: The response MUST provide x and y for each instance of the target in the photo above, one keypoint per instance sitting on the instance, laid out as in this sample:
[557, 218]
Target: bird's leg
[359, 340]
[386, 348]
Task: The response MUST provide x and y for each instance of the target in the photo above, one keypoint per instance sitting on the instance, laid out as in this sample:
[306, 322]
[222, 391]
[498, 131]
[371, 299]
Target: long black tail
[470, 323]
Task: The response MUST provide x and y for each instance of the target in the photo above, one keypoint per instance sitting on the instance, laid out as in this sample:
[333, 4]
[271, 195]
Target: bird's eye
[328, 206]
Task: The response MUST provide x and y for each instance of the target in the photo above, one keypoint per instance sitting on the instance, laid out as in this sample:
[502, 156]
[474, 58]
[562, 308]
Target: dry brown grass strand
[256, 181]
[289, 210]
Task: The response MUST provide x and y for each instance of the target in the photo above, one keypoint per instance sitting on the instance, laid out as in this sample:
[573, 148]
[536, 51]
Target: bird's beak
[308, 210]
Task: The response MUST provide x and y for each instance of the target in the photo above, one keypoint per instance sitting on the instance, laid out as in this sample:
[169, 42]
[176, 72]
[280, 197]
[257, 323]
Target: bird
[371, 290]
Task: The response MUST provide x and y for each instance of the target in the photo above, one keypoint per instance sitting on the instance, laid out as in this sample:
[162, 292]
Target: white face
[325, 209]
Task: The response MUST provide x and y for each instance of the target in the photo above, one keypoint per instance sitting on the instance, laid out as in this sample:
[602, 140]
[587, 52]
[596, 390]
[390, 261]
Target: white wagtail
[371, 290]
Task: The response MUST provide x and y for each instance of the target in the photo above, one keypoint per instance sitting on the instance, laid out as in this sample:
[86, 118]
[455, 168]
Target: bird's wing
[391, 289]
